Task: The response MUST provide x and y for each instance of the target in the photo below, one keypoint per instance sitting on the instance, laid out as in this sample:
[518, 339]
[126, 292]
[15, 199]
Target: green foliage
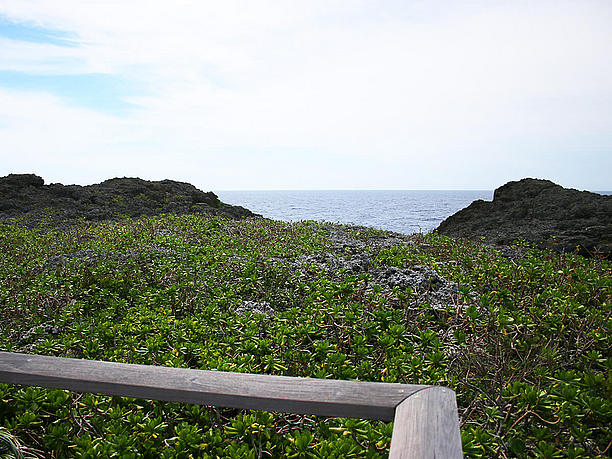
[525, 342]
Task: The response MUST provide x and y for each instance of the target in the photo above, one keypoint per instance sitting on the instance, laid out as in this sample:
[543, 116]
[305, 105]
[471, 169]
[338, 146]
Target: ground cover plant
[523, 336]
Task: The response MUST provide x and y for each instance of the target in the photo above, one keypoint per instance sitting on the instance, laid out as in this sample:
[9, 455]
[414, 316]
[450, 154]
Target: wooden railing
[425, 417]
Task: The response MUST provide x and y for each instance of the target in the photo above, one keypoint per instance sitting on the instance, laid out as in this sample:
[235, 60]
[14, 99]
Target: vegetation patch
[523, 336]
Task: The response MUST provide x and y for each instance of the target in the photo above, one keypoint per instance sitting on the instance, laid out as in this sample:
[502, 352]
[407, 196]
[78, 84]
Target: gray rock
[356, 264]
[256, 307]
[56, 204]
[39, 331]
[418, 278]
[20, 181]
[540, 212]
[352, 256]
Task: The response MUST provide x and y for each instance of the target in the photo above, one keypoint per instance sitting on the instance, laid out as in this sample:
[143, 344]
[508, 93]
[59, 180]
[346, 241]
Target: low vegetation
[524, 340]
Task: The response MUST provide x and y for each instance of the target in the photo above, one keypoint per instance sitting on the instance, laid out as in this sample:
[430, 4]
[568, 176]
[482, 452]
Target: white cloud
[455, 95]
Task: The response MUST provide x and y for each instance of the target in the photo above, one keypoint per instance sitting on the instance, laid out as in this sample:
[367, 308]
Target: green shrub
[525, 342]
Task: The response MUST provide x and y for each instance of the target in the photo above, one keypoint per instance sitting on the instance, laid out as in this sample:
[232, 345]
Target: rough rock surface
[256, 307]
[354, 256]
[27, 195]
[540, 212]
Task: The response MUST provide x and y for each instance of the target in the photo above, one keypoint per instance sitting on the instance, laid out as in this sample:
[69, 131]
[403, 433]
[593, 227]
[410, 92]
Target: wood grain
[426, 426]
[425, 417]
[323, 397]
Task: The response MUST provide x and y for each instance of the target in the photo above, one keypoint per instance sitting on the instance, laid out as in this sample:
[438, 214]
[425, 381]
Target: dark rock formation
[540, 212]
[19, 181]
[26, 195]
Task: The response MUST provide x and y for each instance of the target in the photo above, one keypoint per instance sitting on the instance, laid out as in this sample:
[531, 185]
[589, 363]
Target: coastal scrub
[523, 336]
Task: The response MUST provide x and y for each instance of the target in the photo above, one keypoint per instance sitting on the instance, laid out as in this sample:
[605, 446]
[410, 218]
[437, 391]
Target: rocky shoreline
[25, 197]
[540, 212]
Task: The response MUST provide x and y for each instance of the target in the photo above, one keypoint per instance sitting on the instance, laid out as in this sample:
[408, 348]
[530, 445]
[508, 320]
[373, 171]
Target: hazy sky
[308, 94]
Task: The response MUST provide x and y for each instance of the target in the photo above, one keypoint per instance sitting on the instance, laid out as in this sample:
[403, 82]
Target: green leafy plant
[524, 342]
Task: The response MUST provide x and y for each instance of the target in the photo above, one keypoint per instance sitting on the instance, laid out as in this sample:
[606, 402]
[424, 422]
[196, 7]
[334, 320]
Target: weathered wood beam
[324, 397]
[425, 417]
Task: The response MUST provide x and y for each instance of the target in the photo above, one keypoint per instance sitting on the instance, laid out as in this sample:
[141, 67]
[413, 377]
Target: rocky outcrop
[356, 256]
[26, 195]
[540, 212]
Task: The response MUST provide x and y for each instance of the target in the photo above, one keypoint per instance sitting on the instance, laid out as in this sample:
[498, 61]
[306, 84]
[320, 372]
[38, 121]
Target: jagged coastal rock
[27, 195]
[540, 212]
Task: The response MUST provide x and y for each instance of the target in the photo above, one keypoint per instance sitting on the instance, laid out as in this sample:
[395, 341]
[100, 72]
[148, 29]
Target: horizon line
[353, 189]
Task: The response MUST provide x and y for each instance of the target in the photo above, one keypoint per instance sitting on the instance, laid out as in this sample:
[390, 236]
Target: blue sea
[401, 211]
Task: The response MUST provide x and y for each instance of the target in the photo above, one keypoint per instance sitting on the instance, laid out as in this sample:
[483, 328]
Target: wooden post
[426, 426]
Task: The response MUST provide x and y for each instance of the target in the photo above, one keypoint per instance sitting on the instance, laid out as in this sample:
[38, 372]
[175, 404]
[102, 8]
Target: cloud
[353, 87]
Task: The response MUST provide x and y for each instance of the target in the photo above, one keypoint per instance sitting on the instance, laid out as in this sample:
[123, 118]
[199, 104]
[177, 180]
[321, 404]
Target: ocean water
[402, 211]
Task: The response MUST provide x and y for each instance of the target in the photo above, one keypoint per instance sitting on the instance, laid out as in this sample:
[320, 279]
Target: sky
[249, 95]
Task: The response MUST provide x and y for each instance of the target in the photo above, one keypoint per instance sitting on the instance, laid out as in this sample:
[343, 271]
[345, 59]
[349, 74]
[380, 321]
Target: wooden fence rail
[425, 417]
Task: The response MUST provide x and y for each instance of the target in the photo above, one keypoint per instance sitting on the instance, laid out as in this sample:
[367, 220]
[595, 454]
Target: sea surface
[401, 211]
